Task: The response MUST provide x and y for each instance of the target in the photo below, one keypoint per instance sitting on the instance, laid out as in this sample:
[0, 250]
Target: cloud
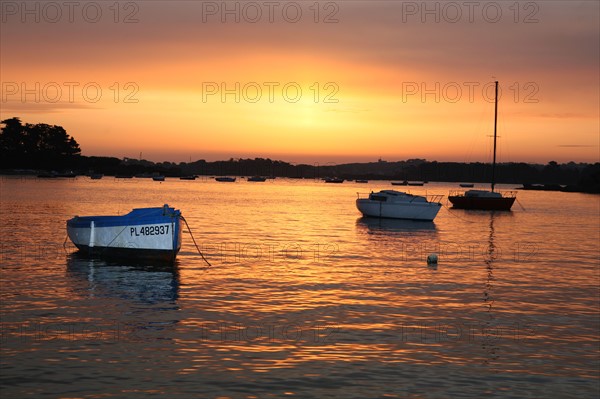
[18, 107]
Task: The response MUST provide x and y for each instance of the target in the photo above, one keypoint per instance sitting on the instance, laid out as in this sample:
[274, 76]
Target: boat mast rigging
[495, 125]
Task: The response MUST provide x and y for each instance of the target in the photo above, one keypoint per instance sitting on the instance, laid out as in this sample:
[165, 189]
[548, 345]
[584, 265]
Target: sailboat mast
[495, 124]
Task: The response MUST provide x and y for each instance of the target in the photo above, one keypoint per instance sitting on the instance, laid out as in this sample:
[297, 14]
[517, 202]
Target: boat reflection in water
[392, 246]
[139, 281]
[396, 225]
[399, 238]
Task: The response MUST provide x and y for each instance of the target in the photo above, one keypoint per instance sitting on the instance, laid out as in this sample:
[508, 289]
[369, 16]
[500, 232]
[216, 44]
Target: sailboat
[483, 199]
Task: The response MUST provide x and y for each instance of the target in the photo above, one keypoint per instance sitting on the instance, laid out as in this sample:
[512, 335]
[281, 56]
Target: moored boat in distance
[158, 178]
[68, 174]
[54, 175]
[483, 199]
[399, 205]
[51, 175]
[467, 185]
[225, 179]
[333, 180]
[96, 176]
[149, 233]
[257, 179]
[188, 177]
[361, 181]
[408, 183]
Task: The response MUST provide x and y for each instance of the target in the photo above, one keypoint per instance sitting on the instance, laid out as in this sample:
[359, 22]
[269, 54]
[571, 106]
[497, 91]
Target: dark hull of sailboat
[485, 204]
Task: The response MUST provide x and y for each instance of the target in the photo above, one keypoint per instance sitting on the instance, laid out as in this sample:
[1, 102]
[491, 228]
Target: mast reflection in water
[489, 343]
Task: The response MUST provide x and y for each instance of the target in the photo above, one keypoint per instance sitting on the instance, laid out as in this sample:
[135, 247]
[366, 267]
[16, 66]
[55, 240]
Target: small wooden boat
[467, 185]
[225, 179]
[158, 178]
[150, 233]
[334, 180]
[96, 176]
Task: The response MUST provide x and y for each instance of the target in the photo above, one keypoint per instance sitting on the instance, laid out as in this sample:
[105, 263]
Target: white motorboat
[399, 205]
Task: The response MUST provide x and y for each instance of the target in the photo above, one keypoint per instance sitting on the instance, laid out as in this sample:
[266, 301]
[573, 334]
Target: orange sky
[377, 79]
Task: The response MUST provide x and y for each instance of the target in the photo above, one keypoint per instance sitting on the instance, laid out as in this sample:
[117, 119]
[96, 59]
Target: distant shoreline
[48, 151]
[44, 174]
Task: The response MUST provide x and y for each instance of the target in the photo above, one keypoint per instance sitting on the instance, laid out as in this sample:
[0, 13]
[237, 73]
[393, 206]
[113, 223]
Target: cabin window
[378, 198]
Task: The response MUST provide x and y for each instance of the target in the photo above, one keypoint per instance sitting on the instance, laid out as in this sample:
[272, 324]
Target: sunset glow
[346, 81]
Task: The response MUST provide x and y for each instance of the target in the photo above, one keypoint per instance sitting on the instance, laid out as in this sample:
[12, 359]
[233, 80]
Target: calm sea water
[304, 297]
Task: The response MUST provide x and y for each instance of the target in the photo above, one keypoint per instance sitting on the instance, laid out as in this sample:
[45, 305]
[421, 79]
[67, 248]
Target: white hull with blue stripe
[142, 233]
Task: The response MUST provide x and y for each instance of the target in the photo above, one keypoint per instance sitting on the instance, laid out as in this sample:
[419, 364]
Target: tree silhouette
[40, 146]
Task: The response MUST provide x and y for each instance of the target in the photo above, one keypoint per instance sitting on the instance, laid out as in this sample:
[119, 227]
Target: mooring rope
[193, 239]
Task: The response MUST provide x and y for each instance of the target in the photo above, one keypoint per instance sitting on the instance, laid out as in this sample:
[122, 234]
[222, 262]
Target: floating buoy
[432, 259]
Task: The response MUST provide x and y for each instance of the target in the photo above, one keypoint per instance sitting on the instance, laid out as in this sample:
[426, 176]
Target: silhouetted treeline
[44, 147]
[512, 172]
[38, 146]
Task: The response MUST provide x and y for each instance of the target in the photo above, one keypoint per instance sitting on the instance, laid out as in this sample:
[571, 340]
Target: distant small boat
[96, 176]
[399, 205]
[52, 175]
[187, 178]
[398, 183]
[333, 180]
[158, 178]
[361, 181]
[257, 178]
[70, 174]
[415, 183]
[153, 233]
[225, 179]
[543, 187]
[466, 185]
